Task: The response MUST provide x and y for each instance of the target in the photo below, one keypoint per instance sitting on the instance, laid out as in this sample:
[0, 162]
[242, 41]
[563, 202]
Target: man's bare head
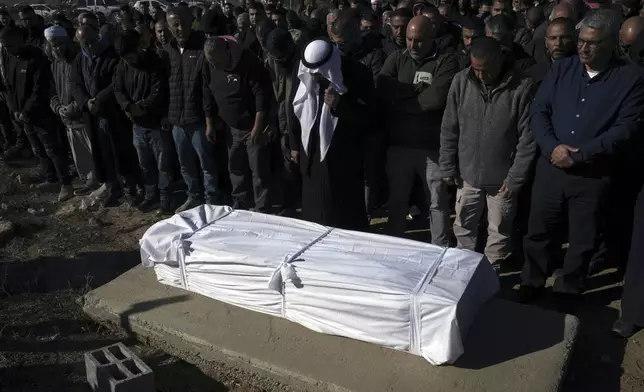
[420, 25]
[420, 37]
[631, 28]
[85, 32]
[87, 38]
[560, 38]
[563, 10]
[180, 23]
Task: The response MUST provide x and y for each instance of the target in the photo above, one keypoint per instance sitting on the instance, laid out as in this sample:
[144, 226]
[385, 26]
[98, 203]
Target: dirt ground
[57, 252]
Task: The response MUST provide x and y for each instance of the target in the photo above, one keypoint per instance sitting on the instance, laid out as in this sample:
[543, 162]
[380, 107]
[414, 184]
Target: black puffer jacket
[186, 106]
[145, 86]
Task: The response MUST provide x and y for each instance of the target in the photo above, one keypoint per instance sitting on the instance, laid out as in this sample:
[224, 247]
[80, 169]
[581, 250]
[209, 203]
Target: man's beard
[400, 41]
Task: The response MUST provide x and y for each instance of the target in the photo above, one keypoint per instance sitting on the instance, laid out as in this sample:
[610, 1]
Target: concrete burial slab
[510, 347]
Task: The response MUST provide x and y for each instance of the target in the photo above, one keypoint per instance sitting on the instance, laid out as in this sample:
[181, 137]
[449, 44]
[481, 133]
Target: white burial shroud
[397, 293]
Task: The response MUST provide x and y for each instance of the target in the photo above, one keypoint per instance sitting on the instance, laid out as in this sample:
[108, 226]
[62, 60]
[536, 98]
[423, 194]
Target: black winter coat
[26, 83]
[537, 49]
[145, 86]
[519, 56]
[371, 54]
[93, 79]
[185, 82]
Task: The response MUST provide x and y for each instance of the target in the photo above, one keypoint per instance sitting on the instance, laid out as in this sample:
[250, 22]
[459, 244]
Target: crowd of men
[523, 118]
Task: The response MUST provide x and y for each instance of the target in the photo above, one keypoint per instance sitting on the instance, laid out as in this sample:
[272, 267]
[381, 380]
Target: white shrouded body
[397, 293]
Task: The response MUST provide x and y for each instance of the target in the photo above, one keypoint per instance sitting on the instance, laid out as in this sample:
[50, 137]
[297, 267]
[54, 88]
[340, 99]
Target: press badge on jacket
[423, 77]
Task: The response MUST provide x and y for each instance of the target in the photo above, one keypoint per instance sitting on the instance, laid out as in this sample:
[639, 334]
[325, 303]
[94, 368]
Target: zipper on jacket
[486, 98]
[181, 77]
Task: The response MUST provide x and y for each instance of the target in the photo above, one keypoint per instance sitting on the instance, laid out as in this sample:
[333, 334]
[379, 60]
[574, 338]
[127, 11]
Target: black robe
[333, 190]
[633, 294]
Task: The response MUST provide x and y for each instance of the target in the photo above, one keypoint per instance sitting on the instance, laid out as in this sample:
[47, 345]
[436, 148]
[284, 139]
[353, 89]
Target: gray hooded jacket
[485, 134]
[61, 92]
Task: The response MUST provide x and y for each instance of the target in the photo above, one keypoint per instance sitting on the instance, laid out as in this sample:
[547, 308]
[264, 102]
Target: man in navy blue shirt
[584, 115]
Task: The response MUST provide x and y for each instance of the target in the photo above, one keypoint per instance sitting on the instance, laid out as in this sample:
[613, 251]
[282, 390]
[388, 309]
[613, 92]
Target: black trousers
[558, 195]
[9, 134]
[47, 147]
[633, 296]
[286, 187]
[114, 155]
[249, 166]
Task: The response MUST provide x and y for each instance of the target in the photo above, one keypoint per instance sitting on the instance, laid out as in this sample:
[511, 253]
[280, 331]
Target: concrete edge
[571, 338]
[181, 345]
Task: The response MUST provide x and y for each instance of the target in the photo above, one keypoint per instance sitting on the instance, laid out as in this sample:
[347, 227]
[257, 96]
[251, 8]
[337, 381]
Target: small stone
[65, 210]
[4, 206]
[7, 231]
[34, 211]
[94, 221]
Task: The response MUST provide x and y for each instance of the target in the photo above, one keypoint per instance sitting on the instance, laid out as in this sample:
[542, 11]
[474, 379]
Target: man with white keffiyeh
[62, 103]
[332, 103]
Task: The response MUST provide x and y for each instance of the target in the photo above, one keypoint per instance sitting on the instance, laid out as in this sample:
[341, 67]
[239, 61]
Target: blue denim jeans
[154, 147]
[194, 150]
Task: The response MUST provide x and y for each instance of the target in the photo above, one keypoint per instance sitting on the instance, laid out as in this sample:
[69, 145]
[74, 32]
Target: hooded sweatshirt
[414, 92]
[144, 85]
[238, 93]
[485, 134]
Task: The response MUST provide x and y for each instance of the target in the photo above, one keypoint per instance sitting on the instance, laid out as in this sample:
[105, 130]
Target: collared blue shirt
[594, 115]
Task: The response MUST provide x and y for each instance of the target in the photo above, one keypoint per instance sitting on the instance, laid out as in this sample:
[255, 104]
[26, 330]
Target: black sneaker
[165, 208]
[288, 213]
[112, 199]
[12, 153]
[134, 199]
[189, 204]
[148, 205]
[625, 329]
[528, 294]
[560, 286]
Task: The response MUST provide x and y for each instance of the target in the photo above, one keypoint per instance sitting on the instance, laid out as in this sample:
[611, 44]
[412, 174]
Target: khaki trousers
[470, 204]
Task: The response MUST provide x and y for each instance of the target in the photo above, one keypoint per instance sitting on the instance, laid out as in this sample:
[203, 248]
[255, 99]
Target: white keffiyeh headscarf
[55, 31]
[322, 58]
